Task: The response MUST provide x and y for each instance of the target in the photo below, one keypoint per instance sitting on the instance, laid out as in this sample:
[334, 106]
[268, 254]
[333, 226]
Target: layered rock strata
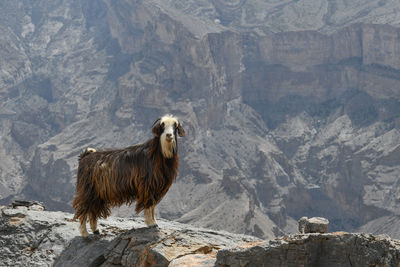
[31, 237]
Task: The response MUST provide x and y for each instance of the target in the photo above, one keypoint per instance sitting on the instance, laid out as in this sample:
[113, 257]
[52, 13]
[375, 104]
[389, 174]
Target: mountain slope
[279, 125]
[276, 16]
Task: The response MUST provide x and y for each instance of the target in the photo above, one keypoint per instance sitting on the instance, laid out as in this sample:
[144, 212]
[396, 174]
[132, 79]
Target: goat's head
[166, 129]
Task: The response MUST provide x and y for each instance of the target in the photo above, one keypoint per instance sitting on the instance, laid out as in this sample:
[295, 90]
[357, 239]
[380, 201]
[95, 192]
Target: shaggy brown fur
[111, 178]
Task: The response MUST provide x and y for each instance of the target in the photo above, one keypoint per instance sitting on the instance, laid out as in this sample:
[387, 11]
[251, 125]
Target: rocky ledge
[31, 236]
[333, 249]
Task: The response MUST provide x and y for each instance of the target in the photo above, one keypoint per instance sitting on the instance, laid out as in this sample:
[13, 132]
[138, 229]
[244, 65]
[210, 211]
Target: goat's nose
[169, 135]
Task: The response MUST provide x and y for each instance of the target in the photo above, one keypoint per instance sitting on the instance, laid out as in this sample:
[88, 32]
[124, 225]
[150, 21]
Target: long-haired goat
[141, 173]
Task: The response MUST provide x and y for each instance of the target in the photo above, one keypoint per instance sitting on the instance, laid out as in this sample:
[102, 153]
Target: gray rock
[336, 249]
[313, 225]
[32, 205]
[171, 243]
[43, 238]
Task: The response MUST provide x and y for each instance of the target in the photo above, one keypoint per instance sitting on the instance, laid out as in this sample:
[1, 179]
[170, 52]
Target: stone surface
[42, 238]
[45, 238]
[313, 225]
[335, 249]
[31, 205]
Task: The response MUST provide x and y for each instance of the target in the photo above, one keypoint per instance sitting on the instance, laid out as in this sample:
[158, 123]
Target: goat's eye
[162, 124]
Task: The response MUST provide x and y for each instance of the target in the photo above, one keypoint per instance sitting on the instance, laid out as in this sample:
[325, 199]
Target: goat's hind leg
[82, 227]
[149, 217]
[93, 224]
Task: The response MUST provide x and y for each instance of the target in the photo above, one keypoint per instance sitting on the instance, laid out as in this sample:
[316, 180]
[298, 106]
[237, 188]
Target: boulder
[313, 225]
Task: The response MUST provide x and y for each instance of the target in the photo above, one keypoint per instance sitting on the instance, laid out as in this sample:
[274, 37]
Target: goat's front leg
[149, 217]
[82, 227]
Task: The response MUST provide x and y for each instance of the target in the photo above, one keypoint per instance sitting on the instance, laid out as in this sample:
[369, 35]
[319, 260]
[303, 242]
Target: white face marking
[168, 144]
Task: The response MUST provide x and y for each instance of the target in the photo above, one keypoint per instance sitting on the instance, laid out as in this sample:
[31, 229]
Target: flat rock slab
[29, 237]
[171, 245]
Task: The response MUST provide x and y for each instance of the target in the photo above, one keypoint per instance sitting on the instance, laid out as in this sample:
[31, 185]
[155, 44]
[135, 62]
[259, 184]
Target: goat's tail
[86, 152]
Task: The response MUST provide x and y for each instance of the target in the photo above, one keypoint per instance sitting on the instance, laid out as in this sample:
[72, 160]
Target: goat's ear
[157, 128]
[181, 131]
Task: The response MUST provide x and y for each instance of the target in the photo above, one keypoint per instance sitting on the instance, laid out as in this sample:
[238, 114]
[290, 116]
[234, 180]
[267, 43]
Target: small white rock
[36, 207]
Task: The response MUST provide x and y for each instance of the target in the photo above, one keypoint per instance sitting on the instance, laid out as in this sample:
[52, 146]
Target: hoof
[85, 236]
[153, 226]
[97, 232]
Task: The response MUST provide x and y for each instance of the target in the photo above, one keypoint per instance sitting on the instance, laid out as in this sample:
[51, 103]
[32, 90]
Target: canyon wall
[279, 124]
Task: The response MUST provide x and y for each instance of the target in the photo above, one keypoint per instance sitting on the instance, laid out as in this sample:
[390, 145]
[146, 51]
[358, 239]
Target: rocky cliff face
[336, 249]
[279, 125]
[33, 237]
[278, 16]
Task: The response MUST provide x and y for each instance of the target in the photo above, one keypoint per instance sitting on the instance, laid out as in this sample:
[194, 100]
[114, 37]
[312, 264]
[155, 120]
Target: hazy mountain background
[291, 108]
